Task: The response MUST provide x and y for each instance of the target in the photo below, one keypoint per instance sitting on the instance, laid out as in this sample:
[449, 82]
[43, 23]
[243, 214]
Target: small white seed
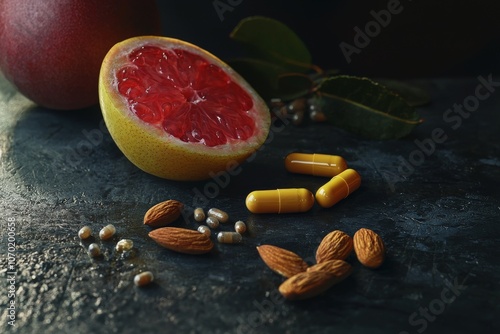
[240, 227]
[107, 232]
[94, 250]
[84, 232]
[143, 278]
[204, 229]
[199, 215]
[229, 237]
[212, 222]
[222, 216]
[124, 245]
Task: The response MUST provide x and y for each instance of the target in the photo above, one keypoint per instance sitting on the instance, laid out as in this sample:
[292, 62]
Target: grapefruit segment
[177, 111]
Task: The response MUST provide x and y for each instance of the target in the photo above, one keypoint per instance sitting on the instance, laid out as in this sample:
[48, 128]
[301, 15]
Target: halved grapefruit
[178, 112]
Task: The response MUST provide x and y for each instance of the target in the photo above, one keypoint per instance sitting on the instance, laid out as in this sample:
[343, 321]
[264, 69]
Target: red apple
[52, 50]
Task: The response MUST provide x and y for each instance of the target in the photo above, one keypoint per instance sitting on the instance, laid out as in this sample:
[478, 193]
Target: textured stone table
[433, 197]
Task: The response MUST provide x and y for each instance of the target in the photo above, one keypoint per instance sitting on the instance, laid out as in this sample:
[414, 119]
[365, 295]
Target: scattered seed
[107, 232]
[204, 229]
[199, 214]
[124, 245]
[94, 250]
[143, 278]
[212, 222]
[222, 216]
[240, 227]
[84, 232]
[229, 237]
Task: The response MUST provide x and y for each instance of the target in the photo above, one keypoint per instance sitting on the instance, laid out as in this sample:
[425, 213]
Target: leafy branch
[279, 65]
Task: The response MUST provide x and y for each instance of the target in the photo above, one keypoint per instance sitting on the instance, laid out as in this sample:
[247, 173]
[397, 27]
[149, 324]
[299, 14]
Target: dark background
[427, 39]
[439, 222]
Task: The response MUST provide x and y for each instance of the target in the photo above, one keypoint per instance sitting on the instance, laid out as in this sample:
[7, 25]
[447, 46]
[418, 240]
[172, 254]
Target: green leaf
[366, 108]
[412, 94]
[271, 80]
[274, 42]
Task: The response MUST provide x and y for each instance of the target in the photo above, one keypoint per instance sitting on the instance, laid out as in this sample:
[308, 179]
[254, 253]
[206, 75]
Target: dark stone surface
[59, 171]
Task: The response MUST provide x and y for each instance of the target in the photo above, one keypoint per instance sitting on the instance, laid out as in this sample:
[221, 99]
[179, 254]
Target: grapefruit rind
[152, 149]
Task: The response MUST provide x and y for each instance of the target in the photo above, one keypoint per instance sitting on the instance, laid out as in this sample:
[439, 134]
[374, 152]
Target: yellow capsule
[339, 187]
[280, 200]
[229, 237]
[222, 216]
[315, 164]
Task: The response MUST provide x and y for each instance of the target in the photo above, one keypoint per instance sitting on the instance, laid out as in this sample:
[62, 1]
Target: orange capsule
[339, 187]
[315, 164]
[280, 200]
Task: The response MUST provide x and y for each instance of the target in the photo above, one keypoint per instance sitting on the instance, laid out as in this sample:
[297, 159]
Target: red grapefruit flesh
[178, 112]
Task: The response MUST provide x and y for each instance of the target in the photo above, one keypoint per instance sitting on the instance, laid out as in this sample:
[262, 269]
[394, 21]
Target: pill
[222, 216]
[229, 237]
[84, 232]
[205, 230]
[199, 214]
[240, 227]
[315, 164]
[339, 187]
[107, 232]
[212, 222]
[280, 200]
[143, 278]
[124, 245]
[94, 250]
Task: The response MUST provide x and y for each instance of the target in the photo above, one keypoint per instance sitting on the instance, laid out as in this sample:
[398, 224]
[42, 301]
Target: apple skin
[52, 50]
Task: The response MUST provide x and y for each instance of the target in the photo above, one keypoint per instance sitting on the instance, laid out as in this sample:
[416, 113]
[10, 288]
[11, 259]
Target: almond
[182, 240]
[336, 245]
[307, 284]
[369, 248]
[164, 213]
[337, 268]
[282, 261]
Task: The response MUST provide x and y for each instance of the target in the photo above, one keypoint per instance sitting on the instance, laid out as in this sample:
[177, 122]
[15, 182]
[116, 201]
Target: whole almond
[336, 245]
[182, 240]
[164, 213]
[307, 284]
[282, 261]
[369, 248]
[337, 268]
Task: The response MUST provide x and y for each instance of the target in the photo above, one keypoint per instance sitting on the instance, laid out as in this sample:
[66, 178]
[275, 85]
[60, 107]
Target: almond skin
[369, 248]
[282, 261]
[182, 240]
[336, 245]
[164, 213]
[307, 284]
[337, 268]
